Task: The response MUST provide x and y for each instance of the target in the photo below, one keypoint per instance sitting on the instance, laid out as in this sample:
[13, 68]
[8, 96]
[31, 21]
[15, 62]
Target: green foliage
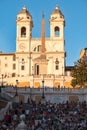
[85, 86]
[79, 73]
[73, 83]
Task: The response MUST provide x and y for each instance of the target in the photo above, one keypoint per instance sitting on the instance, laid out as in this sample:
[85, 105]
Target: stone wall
[53, 95]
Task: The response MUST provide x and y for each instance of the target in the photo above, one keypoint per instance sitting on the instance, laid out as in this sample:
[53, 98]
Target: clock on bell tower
[22, 47]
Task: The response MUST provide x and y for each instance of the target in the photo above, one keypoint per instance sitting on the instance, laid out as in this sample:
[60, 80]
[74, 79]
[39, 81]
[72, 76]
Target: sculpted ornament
[22, 46]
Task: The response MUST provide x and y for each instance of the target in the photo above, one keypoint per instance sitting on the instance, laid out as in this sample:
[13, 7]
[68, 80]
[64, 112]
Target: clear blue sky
[75, 13]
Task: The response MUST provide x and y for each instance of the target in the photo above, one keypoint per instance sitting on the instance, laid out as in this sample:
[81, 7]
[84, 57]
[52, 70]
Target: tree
[79, 73]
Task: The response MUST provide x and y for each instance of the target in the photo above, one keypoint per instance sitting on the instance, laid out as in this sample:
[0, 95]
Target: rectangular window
[14, 57]
[14, 66]
[6, 65]
[37, 69]
[22, 67]
[56, 67]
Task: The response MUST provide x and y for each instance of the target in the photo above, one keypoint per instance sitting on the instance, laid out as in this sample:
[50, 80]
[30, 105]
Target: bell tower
[57, 24]
[24, 31]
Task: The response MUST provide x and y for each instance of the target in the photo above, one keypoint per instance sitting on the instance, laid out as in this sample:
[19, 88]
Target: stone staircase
[3, 104]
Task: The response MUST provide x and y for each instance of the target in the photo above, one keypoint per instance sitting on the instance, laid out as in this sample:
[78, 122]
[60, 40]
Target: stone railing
[52, 94]
[12, 90]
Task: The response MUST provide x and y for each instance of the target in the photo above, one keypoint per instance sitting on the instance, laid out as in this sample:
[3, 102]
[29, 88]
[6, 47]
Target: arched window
[23, 32]
[57, 31]
[37, 49]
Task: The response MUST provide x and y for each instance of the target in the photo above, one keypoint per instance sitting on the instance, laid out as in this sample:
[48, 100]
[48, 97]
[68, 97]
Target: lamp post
[2, 80]
[1, 83]
[43, 89]
[63, 75]
[33, 81]
[53, 81]
[16, 93]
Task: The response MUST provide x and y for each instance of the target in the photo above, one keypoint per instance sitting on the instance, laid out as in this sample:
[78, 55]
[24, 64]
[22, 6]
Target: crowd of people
[46, 116]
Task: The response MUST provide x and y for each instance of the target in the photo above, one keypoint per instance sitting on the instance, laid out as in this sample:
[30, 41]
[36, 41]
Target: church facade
[37, 59]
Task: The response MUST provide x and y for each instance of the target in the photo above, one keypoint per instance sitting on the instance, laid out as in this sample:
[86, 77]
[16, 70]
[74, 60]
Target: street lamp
[63, 75]
[16, 94]
[53, 81]
[2, 80]
[1, 83]
[43, 89]
[33, 77]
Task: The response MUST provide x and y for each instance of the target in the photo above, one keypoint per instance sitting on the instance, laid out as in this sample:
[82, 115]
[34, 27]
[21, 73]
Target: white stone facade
[24, 64]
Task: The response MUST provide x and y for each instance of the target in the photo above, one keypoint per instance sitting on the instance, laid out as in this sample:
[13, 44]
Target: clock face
[22, 46]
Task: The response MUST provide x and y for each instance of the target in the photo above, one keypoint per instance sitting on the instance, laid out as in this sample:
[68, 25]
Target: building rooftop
[24, 11]
[57, 11]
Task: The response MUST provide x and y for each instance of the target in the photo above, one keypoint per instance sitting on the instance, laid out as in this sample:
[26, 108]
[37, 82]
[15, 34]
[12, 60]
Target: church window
[6, 65]
[57, 31]
[22, 60]
[14, 66]
[13, 74]
[56, 67]
[56, 64]
[23, 32]
[37, 49]
[22, 67]
[14, 57]
[37, 70]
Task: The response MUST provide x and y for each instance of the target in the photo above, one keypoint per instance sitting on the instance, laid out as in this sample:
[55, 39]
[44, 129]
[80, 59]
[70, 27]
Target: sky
[74, 11]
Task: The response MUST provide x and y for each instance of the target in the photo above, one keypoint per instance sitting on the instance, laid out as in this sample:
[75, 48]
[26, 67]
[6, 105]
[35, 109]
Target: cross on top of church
[24, 2]
[56, 3]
